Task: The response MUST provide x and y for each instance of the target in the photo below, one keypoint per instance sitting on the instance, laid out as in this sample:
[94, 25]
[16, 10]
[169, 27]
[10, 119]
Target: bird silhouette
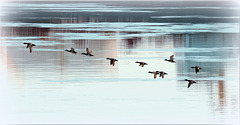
[112, 61]
[190, 82]
[197, 68]
[30, 46]
[88, 53]
[141, 63]
[171, 59]
[71, 51]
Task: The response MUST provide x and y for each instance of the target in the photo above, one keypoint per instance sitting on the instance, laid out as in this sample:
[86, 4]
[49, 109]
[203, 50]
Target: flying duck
[190, 82]
[141, 63]
[112, 61]
[171, 59]
[71, 51]
[197, 68]
[155, 73]
[88, 53]
[162, 74]
[30, 45]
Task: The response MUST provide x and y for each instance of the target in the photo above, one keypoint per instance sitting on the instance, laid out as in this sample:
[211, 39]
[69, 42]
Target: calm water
[53, 86]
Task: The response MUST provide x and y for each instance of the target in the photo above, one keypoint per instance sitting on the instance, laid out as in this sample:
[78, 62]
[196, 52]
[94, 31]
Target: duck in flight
[88, 53]
[161, 74]
[112, 61]
[30, 46]
[141, 63]
[155, 73]
[71, 51]
[190, 82]
[197, 68]
[171, 59]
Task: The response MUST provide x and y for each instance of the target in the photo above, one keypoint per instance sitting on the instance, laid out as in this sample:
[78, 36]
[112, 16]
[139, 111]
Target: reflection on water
[50, 85]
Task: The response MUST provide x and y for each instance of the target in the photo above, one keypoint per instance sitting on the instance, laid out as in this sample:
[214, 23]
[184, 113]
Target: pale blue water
[51, 85]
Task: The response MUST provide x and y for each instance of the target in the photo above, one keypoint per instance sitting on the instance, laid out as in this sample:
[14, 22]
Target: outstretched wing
[189, 84]
[27, 44]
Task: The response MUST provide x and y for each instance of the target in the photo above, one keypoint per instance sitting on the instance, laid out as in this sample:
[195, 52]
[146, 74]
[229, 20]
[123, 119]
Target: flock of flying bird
[113, 61]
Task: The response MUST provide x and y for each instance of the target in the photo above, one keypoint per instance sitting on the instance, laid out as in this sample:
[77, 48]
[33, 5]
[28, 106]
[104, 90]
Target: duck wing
[150, 72]
[189, 84]
[90, 54]
[109, 58]
[28, 45]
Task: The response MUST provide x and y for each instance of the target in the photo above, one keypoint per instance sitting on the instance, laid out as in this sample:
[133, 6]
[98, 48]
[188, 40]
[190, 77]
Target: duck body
[112, 61]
